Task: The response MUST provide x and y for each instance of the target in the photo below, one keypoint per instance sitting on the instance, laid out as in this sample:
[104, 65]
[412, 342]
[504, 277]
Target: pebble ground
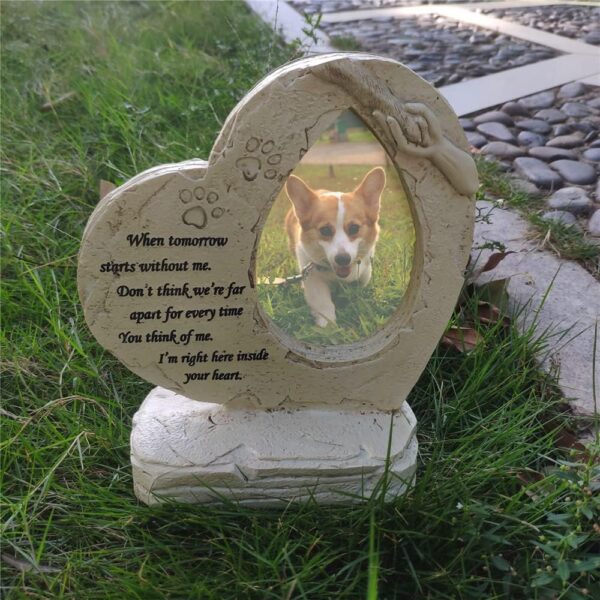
[576, 22]
[550, 141]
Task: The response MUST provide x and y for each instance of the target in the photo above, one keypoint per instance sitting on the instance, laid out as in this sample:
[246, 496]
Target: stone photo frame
[198, 223]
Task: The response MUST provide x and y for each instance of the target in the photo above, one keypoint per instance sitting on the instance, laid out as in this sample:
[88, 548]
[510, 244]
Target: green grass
[359, 311]
[353, 134]
[497, 510]
[567, 242]
[347, 43]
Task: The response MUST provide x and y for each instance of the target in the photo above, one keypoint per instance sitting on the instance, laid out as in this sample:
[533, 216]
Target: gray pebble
[576, 109]
[528, 138]
[574, 171]
[504, 166]
[538, 172]
[497, 131]
[572, 140]
[592, 38]
[476, 139]
[594, 224]
[592, 154]
[541, 100]
[594, 102]
[523, 185]
[563, 129]
[548, 153]
[551, 115]
[573, 199]
[502, 150]
[535, 125]
[515, 109]
[467, 124]
[572, 90]
[560, 216]
[494, 116]
[589, 130]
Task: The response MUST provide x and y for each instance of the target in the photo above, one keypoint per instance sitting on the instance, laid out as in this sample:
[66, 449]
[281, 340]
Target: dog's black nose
[343, 260]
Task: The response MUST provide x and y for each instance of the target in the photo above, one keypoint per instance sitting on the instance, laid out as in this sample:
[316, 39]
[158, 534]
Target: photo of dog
[333, 237]
[335, 256]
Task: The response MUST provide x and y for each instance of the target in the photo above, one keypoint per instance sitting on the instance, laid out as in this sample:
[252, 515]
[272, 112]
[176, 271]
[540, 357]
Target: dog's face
[338, 228]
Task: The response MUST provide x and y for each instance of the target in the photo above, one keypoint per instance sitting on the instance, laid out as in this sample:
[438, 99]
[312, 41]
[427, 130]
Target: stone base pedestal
[200, 452]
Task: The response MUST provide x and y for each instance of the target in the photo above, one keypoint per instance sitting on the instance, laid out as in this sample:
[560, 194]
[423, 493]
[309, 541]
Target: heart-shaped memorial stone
[167, 262]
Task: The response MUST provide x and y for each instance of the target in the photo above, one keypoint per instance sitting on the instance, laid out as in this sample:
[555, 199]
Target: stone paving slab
[569, 295]
[571, 309]
[551, 40]
[572, 21]
[281, 17]
[441, 50]
[331, 6]
[327, 7]
[470, 96]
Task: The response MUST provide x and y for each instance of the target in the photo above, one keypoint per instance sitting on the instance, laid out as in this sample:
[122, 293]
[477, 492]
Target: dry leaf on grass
[490, 314]
[462, 339]
[106, 187]
[495, 293]
[24, 565]
[52, 104]
[494, 260]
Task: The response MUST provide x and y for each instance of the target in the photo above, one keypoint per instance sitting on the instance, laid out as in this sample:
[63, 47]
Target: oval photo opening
[336, 253]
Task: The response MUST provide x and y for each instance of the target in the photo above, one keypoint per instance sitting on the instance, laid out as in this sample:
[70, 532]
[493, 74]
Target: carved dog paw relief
[198, 216]
[259, 159]
[167, 262]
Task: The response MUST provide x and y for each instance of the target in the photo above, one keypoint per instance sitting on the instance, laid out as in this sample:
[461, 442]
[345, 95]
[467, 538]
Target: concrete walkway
[559, 295]
[580, 62]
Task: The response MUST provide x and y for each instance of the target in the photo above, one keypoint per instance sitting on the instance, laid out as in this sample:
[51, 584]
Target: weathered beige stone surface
[200, 452]
[559, 298]
[224, 204]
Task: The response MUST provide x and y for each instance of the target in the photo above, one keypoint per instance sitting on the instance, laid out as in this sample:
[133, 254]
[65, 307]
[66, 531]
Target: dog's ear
[301, 196]
[370, 190]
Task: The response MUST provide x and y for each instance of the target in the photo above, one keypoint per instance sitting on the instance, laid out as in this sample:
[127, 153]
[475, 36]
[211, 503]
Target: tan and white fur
[336, 232]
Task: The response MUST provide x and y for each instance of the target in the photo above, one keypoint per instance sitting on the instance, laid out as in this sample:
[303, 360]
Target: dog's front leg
[364, 274]
[318, 298]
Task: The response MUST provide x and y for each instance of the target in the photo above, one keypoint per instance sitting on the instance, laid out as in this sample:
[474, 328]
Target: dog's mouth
[342, 272]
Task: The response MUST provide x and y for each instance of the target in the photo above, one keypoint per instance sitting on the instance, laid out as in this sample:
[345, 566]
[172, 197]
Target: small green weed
[347, 43]
[566, 241]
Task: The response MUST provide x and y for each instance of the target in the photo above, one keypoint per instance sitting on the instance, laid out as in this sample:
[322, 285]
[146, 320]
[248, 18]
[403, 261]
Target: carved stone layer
[174, 325]
[199, 452]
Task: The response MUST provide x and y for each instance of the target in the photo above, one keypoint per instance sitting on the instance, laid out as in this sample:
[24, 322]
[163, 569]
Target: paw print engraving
[198, 216]
[259, 159]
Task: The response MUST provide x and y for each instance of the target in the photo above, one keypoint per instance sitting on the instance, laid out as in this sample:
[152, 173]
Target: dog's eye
[353, 229]
[326, 231]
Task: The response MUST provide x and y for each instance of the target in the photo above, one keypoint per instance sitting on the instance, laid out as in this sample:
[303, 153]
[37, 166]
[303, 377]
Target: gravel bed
[440, 50]
[578, 22]
[551, 143]
[329, 6]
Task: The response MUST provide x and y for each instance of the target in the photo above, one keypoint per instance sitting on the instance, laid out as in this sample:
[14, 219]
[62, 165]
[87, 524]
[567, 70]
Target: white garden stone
[167, 279]
[201, 452]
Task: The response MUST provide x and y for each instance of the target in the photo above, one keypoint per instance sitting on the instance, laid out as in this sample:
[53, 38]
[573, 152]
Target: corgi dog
[333, 236]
